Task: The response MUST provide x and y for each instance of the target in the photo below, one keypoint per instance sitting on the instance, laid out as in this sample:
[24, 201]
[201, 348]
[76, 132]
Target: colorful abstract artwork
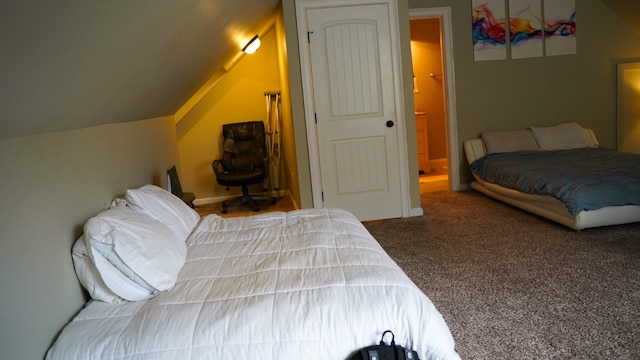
[489, 30]
[525, 28]
[533, 28]
[559, 27]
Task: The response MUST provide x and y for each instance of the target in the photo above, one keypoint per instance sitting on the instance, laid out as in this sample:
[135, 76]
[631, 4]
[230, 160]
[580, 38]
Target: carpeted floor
[514, 286]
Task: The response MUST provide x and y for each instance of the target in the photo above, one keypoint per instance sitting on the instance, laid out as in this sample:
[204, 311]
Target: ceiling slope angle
[72, 65]
[627, 10]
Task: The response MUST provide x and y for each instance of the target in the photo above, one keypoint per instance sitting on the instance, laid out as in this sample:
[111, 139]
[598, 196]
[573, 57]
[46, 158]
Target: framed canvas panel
[489, 30]
[560, 27]
[525, 28]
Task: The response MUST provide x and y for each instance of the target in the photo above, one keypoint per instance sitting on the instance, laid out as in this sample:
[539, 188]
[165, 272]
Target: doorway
[353, 118]
[434, 99]
[428, 92]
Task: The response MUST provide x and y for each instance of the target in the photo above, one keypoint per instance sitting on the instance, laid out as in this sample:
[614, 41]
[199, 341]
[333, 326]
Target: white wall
[51, 184]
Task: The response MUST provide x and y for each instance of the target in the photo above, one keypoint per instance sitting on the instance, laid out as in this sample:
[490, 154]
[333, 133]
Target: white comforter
[308, 284]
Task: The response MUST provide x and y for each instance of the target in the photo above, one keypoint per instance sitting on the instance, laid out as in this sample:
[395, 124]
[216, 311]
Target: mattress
[548, 206]
[583, 179]
[553, 209]
[309, 284]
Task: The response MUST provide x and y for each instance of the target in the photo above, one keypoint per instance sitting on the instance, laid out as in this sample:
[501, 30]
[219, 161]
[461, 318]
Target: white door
[354, 98]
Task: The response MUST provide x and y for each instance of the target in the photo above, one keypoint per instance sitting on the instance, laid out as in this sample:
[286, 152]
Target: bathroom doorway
[430, 103]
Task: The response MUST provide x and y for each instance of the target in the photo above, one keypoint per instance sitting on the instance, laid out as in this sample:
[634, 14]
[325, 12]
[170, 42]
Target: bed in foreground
[559, 173]
[309, 284]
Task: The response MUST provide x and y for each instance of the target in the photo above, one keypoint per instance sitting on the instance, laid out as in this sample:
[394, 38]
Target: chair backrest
[244, 146]
[174, 182]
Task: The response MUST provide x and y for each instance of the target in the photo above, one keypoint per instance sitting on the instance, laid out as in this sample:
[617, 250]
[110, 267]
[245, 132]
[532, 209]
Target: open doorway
[430, 103]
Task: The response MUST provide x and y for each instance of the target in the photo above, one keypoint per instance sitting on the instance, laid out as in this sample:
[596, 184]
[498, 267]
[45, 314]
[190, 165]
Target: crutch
[265, 183]
[272, 100]
[275, 146]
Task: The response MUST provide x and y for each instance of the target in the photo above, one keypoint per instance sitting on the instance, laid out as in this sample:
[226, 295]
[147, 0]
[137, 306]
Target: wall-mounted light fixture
[252, 46]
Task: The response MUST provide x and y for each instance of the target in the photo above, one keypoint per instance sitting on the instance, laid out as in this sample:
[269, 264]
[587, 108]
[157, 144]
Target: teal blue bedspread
[583, 179]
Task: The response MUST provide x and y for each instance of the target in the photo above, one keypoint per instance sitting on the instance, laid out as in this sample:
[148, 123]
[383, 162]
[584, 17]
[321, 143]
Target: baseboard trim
[219, 199]
[416, 212]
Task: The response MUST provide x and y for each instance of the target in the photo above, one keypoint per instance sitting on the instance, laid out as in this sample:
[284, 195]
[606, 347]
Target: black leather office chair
[176, 188]
[244, 160]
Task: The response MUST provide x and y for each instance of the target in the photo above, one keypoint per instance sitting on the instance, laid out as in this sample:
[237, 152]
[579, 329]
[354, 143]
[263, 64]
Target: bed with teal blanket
[560, 173]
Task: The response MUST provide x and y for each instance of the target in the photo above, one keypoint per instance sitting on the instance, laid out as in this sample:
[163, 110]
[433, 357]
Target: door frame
[308, 99]
[446, 30]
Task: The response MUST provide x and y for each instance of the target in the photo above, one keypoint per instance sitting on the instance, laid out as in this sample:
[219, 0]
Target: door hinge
[322, 195]
[315, 117]
[309, 36]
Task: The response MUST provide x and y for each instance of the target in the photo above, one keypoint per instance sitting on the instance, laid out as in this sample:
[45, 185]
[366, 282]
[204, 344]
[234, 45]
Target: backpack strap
[403, 353]
[393, 338]
[373, 355]
[409, 355]
[406, 354]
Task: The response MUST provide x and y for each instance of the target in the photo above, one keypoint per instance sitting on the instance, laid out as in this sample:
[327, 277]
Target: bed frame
[547, 206]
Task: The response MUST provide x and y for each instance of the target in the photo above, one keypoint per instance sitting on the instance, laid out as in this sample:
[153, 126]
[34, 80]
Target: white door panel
[354, 95]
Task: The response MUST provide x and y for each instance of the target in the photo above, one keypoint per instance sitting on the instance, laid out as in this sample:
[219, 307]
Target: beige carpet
[514, 286]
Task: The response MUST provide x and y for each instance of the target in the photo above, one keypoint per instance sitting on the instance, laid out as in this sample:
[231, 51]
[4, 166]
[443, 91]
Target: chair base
[245, 198]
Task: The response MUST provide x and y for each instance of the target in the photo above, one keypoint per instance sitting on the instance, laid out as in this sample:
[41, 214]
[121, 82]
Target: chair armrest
[217, 167]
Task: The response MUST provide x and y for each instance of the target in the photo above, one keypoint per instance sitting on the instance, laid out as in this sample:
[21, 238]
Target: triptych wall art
[525, 28]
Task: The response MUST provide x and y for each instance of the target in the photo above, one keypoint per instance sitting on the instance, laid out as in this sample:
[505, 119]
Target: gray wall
[507, 94]
[516, 94]
[51, 184]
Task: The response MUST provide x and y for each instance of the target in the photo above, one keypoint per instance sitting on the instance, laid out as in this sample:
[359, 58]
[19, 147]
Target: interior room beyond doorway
[429, 99]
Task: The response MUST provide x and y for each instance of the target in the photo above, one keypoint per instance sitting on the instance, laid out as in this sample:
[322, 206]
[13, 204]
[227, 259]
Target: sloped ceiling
[74, 64]
[627, 10]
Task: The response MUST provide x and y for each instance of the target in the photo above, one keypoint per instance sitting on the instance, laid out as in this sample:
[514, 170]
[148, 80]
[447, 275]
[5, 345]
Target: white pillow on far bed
[568, 135]
[165, 207]
[508, 141]
[136, 256]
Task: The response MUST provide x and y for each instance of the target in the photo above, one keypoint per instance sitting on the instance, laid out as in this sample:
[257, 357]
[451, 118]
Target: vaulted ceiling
[74, 64]
[628, 10]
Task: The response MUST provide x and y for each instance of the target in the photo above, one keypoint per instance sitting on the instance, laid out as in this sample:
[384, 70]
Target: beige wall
[289, 156]
[516, 94]
[295, 94]
[238, 96]
[297, 104]
[509, 94]
[51, 184]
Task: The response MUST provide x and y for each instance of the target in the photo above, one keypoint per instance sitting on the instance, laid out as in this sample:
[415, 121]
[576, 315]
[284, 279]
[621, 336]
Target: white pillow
[563, 136]
[89, 276]
[137, 257]
[165, 207]
[508, 141]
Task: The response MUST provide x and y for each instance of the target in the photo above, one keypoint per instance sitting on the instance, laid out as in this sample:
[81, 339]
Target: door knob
[390, 123]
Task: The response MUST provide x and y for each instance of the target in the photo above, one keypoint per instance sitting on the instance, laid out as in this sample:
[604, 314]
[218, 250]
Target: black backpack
[384, 351]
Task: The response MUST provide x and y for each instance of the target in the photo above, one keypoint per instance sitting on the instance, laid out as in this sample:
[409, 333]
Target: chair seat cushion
[239, 178]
